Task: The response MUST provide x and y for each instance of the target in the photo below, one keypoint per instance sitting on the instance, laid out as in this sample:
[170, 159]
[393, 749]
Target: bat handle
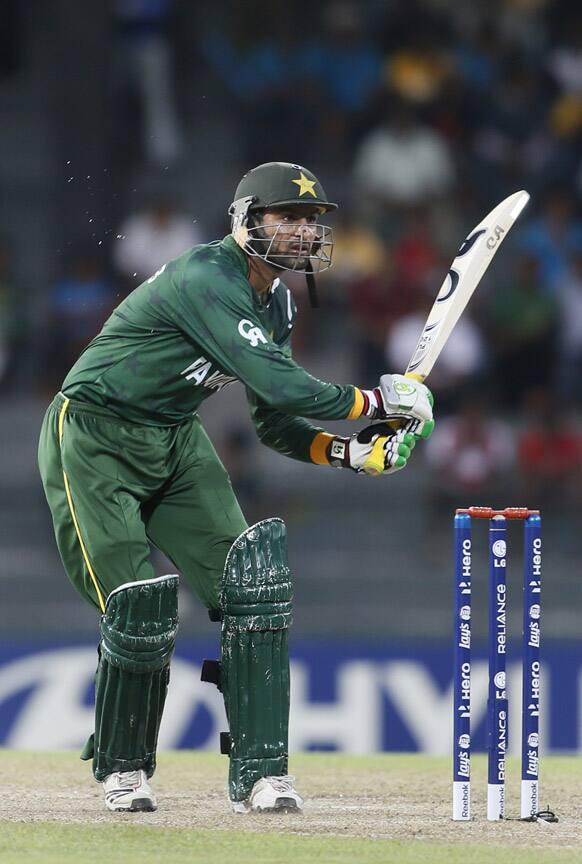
[375, 462]
[416, 377]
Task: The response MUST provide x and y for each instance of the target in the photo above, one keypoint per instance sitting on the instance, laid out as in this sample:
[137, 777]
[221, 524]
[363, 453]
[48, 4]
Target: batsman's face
[292, 233]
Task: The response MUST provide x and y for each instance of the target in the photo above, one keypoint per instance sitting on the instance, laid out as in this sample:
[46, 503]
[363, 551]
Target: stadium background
[125, 128]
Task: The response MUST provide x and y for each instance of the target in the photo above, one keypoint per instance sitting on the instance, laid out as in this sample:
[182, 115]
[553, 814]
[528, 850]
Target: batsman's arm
[222, 318]
[296, 438]
[290, 436]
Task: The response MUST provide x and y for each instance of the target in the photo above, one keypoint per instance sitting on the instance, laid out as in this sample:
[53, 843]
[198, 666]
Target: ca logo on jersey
[249, 331]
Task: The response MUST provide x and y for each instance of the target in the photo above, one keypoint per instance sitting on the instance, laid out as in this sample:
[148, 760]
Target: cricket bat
[471, 261]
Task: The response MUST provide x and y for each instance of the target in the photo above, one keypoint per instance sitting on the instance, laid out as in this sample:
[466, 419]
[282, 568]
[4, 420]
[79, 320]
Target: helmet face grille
[308, 244]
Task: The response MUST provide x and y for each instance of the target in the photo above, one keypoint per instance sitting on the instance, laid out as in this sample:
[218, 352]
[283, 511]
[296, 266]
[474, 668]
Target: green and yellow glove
[375, 450]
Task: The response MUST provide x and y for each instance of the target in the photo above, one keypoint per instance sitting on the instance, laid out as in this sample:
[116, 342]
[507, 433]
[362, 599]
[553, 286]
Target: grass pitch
[361, 810]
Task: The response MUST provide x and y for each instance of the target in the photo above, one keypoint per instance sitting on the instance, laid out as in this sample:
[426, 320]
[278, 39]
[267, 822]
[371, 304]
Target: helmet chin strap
[311, 286]
[242, 221]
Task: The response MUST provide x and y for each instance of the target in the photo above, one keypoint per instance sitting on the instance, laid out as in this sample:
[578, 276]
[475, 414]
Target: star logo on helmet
[305, 185]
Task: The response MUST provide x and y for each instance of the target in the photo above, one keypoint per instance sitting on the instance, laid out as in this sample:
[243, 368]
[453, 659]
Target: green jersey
[192, 328]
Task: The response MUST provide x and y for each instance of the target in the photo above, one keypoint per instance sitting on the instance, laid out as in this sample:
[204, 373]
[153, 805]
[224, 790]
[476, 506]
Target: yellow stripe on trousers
[72, 510]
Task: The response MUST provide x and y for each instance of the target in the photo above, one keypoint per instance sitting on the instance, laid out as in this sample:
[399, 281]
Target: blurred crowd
[418, 117]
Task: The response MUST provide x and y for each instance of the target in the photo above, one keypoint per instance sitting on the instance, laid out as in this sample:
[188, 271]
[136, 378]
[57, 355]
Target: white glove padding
[397, 398]
[375, 450]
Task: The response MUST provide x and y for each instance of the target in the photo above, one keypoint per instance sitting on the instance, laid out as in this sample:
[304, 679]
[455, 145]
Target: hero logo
[465, 691]
[534, 688]
[466, 565]
[250, 331]
[536, 560]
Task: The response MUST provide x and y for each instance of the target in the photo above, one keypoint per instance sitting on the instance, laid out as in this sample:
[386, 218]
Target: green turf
[47, 843]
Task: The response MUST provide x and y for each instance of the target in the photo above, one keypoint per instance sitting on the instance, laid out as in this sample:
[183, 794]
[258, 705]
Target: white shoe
[270, 795]
[129, 790]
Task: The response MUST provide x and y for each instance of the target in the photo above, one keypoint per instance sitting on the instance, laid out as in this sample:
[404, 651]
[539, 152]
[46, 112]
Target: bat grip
[375, 462]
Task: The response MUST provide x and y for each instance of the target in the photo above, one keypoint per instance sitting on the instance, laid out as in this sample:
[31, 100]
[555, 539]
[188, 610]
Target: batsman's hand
[403, 401]
[375, 450]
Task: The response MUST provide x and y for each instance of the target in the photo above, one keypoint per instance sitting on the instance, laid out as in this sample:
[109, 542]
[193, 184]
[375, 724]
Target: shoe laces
[282, 784]
[129, 778]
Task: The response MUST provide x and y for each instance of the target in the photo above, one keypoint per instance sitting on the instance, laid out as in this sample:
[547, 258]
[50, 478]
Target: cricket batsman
[125, 461]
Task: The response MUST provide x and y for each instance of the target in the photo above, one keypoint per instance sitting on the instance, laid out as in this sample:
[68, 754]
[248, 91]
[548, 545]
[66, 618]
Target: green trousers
[114, 486]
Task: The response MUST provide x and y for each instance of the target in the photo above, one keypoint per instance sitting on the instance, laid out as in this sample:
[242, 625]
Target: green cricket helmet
[277, 185]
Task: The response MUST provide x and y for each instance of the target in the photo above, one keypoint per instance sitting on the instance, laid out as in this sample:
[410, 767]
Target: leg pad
[254, 670]
[138, 632]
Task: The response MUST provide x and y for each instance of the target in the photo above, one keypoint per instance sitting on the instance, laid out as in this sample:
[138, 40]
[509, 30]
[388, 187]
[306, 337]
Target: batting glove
[375, 450]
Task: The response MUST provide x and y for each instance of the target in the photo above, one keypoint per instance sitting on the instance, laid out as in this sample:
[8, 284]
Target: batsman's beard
[293, 253]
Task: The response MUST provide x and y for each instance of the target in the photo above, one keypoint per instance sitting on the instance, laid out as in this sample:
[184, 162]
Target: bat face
[472, 260]
[465, 273]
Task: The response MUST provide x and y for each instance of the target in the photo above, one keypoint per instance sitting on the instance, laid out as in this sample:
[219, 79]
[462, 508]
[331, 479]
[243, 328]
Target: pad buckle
[210, 672]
